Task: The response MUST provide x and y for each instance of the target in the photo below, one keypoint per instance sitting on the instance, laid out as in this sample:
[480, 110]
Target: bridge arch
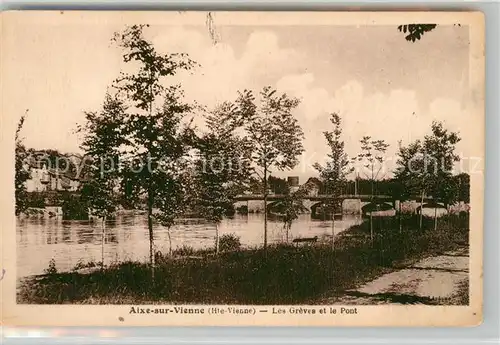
[314, 208]
[277, 206]
[274, 206]
[377, 206]
[321, 209]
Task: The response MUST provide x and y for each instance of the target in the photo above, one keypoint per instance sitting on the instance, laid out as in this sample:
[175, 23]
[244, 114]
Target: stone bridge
[351, 204]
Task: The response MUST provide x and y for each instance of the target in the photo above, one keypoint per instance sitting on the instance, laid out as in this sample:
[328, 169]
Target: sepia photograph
[255, 168]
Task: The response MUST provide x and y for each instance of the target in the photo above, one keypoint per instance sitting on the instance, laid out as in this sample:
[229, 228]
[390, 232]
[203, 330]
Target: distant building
[43, 178]
[313, 186]
[293, 183]
[38, 181]
[62, 181]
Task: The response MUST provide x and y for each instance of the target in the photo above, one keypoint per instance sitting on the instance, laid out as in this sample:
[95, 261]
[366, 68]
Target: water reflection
[126, 238]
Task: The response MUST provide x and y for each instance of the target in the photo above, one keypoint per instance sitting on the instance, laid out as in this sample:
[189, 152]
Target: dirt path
[434, 280]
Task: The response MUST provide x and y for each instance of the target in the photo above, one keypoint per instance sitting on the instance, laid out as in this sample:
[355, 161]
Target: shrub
[230, 211]
[229, 242]
[52, 269]
[36, 200]
[184, 250]
[81, 265]
[243, 209]
[74, 208]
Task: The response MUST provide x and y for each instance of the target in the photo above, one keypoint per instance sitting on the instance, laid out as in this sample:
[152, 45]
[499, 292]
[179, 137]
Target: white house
[39, 180]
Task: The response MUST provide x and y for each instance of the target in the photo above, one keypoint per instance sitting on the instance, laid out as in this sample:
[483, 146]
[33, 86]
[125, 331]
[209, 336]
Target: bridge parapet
[326, 197]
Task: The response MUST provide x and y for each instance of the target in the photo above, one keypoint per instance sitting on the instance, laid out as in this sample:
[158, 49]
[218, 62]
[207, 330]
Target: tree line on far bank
[146, 128]
[363, 186]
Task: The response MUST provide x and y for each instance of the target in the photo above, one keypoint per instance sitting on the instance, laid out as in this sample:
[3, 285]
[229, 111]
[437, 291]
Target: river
[70, 242]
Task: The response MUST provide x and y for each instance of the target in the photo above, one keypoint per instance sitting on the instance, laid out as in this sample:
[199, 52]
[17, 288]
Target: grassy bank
[285, 274]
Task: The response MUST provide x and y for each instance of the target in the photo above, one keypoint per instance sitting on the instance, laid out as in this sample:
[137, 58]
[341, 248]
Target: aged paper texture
[246, 168]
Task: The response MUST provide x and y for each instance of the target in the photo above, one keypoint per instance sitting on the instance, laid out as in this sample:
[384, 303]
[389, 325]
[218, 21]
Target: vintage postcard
[242, 168]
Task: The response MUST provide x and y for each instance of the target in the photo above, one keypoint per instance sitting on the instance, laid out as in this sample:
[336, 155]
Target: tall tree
[463, 187]
[154, 128]
[222, 167]
[21, 173]
[425, 167]
[290, 207]
[410, 167]
[372, 158]
[411, 171]
[440, 147]
[101, 143]
[273, 132]
[334, 173]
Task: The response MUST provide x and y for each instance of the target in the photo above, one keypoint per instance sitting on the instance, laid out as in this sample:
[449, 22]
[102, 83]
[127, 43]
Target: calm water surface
[68, 242]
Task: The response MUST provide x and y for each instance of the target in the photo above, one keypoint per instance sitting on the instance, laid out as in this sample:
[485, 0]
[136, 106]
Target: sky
[380, 84]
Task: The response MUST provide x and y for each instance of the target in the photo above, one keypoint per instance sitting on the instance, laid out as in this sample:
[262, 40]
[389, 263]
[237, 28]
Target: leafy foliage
[143, 87]
[229, 242]
[426, 166]
[441, 147]
[410, 167]
[290, 207]
[371, 158]
[462, 181]
[278, 185]
[21, 174]
[272, 131]
[74, 207]
[334, 173]
[141, 131]
[415, 31]
[101, 145]
[222, 166]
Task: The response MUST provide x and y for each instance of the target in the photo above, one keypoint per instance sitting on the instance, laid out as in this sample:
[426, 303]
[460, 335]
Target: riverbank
[434, 280]
[284, 274]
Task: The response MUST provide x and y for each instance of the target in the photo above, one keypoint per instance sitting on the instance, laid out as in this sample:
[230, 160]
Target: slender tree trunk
[150, 197]
[372, 201]
[423, 192]
[150, 229]
[400, 217]
[333, 228]
[217, 238]
[265, 206]
[435, 217]
[371, 212]
[421, 209]
[373, 180]
[371, 226]
[169, 242]
[103, 240]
